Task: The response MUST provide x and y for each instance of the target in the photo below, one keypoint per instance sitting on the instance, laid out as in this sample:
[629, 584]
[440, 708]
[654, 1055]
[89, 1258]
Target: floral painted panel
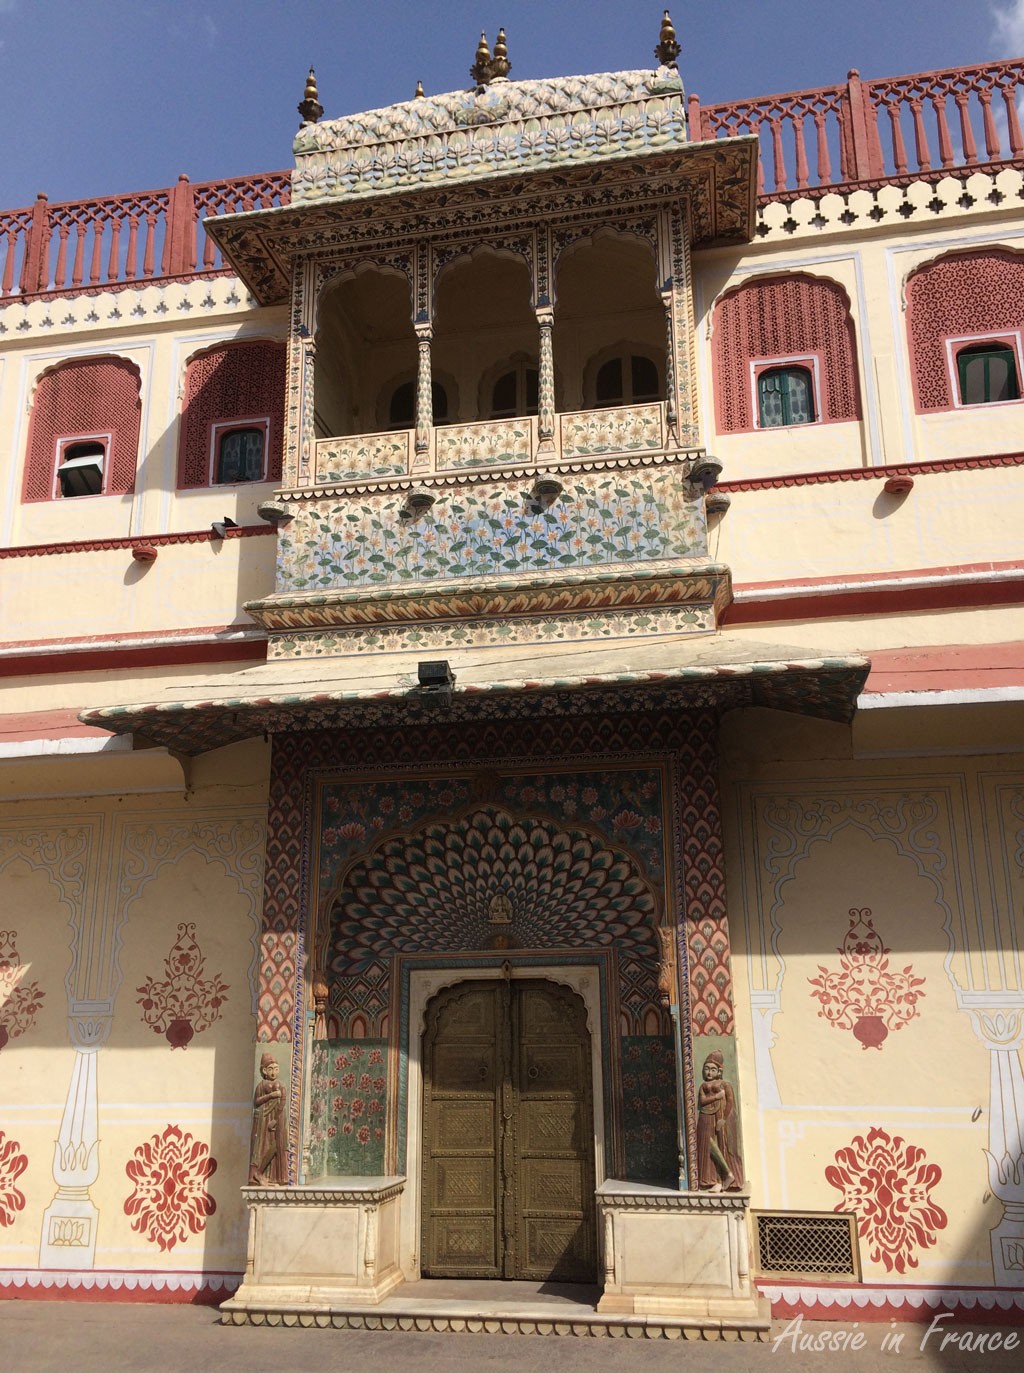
[368, 455]
[611, 518]
[612, 431]
[478, 445]
[520, 124]
[348, 1107]
[649, 1108]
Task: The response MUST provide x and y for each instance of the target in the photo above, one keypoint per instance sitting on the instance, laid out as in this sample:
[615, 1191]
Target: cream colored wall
[820, 820]
[158, 329]
[95, 887]
[872, 266]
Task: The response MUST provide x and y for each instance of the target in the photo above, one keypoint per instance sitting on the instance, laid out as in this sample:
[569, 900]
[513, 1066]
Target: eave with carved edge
[264, 246]
[665, 673]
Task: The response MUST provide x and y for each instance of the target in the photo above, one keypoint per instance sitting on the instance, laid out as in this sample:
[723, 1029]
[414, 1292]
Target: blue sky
[104, 96]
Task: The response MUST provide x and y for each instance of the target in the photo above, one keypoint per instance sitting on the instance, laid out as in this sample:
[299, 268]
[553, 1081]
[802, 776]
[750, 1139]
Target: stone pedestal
[316, 1247]
[680, 1254]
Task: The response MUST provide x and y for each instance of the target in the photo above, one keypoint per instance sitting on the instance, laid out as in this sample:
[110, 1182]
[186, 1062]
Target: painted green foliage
[348, 1107]
[616, 518]
[649, 1108]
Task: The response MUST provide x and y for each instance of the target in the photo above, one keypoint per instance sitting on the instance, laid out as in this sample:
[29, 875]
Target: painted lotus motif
[169, 1201]
[888, 1183]
[12, 1164]
[865, 994]
[19, 1000]
[184, 1002]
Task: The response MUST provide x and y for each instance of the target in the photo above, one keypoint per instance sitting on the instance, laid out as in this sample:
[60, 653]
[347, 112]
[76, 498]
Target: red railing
[962, 118]
[118, 240]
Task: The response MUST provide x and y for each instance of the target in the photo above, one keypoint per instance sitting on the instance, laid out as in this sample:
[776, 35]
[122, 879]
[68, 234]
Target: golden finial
[309, 106]
[480, 71]
[668, 49]
[500, 65]
[419, 91]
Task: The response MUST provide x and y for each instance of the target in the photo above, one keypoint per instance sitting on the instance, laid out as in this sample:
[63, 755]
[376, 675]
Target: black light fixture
[436, 676]
[706, 471]
[220, 527]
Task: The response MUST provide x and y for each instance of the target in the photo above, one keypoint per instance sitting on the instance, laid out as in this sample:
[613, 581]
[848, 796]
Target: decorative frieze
[363, 455]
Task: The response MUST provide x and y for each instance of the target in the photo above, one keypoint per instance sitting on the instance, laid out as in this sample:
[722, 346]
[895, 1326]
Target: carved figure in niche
[268, 1151]
[719, 1166]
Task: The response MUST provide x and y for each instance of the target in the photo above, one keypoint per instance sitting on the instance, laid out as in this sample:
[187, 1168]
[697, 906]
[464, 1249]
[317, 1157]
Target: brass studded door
[508, 1135]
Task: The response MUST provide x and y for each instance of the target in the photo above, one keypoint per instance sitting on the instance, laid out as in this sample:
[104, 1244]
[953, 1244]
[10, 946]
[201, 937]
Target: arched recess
[958, 297]
[482, 316]
[364, 337]
[443, 890]
[96, 400]
[606, 291]
[239, 381]
[796, 317]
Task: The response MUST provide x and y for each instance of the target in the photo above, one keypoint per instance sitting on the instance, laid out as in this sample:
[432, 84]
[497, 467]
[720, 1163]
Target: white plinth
[669, 1253]
[314, 1247]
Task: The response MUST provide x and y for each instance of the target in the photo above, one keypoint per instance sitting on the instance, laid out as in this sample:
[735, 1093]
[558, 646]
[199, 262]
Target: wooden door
[508, 1145]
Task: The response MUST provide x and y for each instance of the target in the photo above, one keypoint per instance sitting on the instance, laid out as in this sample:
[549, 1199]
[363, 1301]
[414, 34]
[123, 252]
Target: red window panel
[778, 318]
[86, 396]
[232, 382]
[964, 295]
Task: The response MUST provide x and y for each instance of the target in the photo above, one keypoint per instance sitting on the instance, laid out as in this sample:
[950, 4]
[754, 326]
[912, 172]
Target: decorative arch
[624, 349]
[85, 398]
[783, 317]
[484, 880]
[448, 257]
[961, 294]
[231, 381]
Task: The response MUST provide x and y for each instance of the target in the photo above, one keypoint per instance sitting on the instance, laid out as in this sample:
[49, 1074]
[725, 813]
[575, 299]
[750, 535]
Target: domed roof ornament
[419, 91]
[668, 49]
[309, 106]
[480, 71]
[500, 65]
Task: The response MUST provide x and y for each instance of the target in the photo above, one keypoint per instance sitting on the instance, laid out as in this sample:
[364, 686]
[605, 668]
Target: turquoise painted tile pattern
[366, 540]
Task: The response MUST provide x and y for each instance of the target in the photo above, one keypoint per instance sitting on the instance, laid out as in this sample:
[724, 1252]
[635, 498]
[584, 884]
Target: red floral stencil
[170, 1201]
[184, 1003]
[12, 1164]
[866, 995]
[19, 1000]
[887, 1182]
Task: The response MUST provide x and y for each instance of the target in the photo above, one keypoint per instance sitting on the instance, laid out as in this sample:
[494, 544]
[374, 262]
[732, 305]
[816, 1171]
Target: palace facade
[514, 657]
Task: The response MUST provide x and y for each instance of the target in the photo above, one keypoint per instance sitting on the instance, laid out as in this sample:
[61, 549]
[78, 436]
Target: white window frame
[1009, 337]
[219, 427]
[68, 441]
[812, 361]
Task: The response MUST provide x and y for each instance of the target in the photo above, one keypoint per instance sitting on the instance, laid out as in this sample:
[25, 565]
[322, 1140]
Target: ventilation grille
[805, 1244]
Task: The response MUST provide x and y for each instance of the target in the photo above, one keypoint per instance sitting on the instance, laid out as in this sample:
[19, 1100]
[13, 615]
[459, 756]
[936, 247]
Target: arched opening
[607, 294]
[482, 319]
[365, 339]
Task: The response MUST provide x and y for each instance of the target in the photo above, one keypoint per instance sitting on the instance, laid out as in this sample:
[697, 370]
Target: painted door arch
[508, 1134]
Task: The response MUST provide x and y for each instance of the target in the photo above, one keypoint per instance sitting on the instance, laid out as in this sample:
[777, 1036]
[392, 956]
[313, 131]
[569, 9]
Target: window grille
[807, 1244]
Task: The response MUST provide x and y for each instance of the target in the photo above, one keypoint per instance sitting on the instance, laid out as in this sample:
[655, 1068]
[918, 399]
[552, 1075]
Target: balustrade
[827, 138]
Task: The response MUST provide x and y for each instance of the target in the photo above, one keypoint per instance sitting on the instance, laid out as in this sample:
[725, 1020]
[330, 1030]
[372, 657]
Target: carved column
[1001, 1030]
[69, 1222]
[671, 407]
[424, 395]
[546, 379]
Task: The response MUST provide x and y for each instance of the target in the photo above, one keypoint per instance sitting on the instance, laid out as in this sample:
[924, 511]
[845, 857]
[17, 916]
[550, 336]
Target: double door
[508, 1134]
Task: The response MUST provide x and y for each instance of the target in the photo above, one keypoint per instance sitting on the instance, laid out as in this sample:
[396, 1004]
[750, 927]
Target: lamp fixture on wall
[546, 489]
[274, 512]
[417, 503]
[706, 471]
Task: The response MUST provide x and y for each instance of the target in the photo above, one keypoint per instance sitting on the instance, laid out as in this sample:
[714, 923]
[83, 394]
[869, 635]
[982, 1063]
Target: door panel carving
[508, 1137]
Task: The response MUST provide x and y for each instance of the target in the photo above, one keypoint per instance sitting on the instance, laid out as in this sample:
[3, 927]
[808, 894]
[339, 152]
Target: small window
[80, 468]
[627, 379]
[239, 456]
[402, 411]
[785, 395]
[515, 393]
[987, 373]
